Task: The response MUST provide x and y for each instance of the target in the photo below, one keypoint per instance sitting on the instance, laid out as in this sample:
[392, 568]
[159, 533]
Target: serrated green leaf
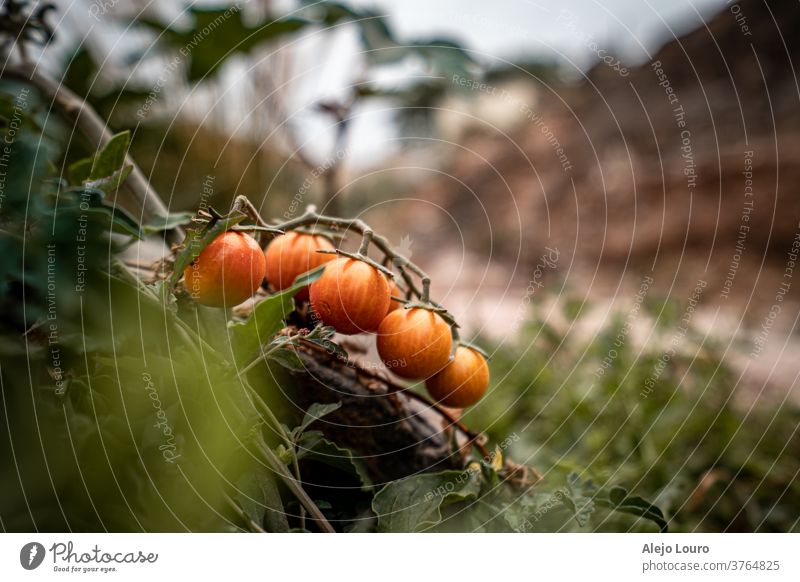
[79, 171]
[106, 170]
[287, 358]
[312, 446]
[579, 498]
[112, 157]
[266, 319]
[259, 498]
[619, 500]
[111, 183]
[415, 503]
[330, 346]
[168, 222]
[217, 34]
[315, 412]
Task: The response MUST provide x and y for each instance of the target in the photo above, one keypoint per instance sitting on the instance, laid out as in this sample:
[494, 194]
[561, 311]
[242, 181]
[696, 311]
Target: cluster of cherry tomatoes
[352, 296]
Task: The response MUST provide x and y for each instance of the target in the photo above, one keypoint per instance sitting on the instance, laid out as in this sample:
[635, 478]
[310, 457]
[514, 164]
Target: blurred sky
[563, 32]
[513, 28]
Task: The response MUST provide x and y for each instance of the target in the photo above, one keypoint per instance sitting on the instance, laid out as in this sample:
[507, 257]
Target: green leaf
[619, 500]
[321, 335]
[415, 503]
[79, 171]
[307, 278]
[381, 47]
[446, 58]
[266, 319]
[89, 202]
[519, 511]
[168, 222]
[264, 322]
[579, 498]
[112, 157]
[312, 446]
[315, 412]
[109, 184]
[217, 34]
[259, 498]
[121, 221]
[288, 358]
[27, 163]
[106, 170]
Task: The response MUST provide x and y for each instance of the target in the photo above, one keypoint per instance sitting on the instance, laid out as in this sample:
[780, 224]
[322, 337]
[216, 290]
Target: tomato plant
[202, 390]
[351, 295]
[227, 271]
[462, 382]
[415, 342]
[292, 254]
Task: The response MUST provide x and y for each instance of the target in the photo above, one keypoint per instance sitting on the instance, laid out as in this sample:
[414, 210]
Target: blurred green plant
[137, 421]
[613, 411]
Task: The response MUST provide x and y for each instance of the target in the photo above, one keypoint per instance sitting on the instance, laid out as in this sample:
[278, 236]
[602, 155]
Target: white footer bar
[390, 557]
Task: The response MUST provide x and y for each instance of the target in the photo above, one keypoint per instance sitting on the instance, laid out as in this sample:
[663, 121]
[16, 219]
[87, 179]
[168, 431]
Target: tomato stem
[366, 239]
[426, 290]
[243, 204]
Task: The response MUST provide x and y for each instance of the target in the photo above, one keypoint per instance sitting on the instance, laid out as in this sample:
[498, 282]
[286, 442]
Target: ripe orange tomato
[395, 291]
[292, 254]
[414, 343]
[462, 382]
[227, 272]
[351, 295]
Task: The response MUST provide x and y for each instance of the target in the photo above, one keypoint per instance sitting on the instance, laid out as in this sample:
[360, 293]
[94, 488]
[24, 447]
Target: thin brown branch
[294, 486]
[254, 527]
[85, 118]
[312, 217]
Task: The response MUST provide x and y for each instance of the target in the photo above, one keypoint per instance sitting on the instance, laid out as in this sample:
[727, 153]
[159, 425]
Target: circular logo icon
[31, 555]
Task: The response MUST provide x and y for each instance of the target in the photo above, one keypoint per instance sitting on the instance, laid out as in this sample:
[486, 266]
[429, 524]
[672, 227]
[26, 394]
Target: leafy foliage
[416, 503]
[156, 420]
[619, 500]
[216, 35]
[580, 499]
[479, 499]
[108, 162]
[685, 444]
[266, 320]
[171, 220]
